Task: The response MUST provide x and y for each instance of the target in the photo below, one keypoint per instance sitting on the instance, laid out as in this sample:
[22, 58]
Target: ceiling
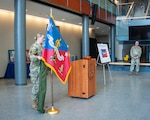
[41, 10]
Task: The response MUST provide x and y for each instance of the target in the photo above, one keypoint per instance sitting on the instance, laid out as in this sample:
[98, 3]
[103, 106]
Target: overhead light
[116, 2]
[80, 23]
[97, 27]
[63, 19]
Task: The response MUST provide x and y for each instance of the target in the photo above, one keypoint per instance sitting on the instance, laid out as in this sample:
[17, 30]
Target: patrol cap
[38, 35]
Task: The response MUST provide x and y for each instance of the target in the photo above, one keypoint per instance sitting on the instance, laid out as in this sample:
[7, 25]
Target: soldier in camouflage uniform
[35, 57]
[135, 53]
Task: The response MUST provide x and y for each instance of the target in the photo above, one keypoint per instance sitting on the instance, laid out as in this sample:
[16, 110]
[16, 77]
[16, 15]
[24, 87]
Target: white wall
[6, 38]
[72, 34]
[118, 50]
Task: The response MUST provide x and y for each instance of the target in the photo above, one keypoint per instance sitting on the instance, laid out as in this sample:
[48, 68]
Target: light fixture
[63, 19]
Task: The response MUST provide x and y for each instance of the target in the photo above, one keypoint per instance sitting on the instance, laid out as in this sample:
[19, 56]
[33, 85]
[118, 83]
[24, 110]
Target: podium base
[52, 110]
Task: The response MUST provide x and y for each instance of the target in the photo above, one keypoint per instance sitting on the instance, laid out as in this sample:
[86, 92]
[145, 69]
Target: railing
[131, 14]
[125, 9]
[129, 10]
[147, 10]
[107, 5]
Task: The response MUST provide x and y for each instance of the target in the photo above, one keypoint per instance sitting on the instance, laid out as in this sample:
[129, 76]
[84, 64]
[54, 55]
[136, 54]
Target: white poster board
[103, 53]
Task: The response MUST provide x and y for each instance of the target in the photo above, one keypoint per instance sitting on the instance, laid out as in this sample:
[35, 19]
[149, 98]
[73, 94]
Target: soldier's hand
[135, 57]
[39, 57]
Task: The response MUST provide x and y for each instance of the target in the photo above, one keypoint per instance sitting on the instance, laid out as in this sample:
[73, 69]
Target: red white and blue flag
[55, 53]
[104, 53]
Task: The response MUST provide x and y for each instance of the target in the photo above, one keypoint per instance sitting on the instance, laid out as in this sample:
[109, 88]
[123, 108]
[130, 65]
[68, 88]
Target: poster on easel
[103, 53]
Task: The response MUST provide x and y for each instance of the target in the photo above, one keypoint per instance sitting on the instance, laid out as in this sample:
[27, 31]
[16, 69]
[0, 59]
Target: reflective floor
[127, 97]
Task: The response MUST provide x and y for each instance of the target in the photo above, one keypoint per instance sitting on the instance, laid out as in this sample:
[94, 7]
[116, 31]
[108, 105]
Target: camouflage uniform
[35, 50]
[135, 52]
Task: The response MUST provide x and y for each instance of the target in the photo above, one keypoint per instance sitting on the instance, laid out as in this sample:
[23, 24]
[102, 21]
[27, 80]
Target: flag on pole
[55, 53]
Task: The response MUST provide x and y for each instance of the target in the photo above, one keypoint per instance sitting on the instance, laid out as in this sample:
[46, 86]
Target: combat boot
[137, 73]
[34, 104]
[130, 73]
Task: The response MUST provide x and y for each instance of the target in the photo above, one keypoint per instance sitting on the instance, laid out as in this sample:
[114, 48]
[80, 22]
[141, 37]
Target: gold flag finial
[51, 14]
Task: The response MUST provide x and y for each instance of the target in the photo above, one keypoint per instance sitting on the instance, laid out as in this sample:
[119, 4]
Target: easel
[104, 64]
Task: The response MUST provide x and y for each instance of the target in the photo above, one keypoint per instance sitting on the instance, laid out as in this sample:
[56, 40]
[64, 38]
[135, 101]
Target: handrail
[125, 3]
[132, 18]
[131, 8]
[132, 4]
[147, 8]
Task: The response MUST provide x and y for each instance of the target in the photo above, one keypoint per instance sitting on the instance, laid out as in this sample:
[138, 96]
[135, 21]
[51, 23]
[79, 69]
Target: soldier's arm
[131, 52]
[33, 54]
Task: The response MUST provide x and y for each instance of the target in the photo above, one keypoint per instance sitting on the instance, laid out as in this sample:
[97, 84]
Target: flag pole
[51, 15]
[52, 110]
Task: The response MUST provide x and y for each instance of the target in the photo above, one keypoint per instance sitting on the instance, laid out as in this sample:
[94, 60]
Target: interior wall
[118, 51]
[103, 39]
[6, 38]
[72, 34]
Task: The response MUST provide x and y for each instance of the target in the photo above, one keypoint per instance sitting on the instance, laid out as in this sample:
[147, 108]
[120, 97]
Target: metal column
[113, 43]
[85, 36]
[20, 42]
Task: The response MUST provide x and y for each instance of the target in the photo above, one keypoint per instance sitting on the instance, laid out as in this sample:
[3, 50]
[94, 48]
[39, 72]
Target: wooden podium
[82, 78]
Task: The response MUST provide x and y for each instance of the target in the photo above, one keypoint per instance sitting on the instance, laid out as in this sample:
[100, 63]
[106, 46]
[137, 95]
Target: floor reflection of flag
[104, 53]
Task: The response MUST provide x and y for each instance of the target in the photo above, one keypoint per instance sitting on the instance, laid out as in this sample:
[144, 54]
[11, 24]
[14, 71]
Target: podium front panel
[82, 78]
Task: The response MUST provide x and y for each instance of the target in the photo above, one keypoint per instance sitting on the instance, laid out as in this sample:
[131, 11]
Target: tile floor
[126, 98]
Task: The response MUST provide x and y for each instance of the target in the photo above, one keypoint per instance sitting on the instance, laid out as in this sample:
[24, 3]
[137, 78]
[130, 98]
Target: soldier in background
[35, 54]
[135, 53]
